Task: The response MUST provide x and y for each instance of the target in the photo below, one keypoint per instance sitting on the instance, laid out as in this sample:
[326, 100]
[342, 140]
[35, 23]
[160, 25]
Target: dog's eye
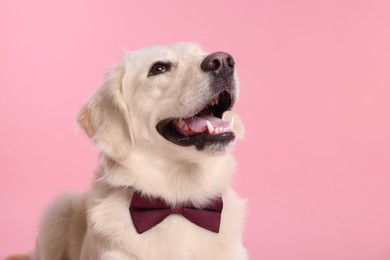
[159, 67]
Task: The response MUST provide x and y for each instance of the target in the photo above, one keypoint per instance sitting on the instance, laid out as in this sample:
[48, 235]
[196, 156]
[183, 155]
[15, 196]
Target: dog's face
[173, 97]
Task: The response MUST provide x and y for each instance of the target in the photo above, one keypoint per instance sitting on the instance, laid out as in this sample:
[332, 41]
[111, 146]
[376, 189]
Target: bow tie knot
[148, 212]
[177, 211]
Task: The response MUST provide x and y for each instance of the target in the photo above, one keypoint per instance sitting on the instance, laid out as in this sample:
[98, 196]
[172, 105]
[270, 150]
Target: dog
[163, 124]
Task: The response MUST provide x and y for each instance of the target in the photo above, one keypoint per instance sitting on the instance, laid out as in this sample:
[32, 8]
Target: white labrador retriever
[163, 125]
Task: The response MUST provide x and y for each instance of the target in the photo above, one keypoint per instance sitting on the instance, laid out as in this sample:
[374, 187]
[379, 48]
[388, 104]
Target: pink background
[315, 79]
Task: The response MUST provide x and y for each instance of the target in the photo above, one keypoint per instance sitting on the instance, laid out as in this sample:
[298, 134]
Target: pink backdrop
[315, 78]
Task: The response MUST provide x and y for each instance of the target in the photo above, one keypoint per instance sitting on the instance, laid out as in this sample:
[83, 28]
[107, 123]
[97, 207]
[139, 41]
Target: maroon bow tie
[147, 212]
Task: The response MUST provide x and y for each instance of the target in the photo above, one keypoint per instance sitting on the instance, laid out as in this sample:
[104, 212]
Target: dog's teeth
[210, 127]
[231, 123]
[224, 117]
[227, 116]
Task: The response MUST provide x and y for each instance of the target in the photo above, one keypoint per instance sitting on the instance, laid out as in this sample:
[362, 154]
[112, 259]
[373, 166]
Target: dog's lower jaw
[202, 141]
[219, 148]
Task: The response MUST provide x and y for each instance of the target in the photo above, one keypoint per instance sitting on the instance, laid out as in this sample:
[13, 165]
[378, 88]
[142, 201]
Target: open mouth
[207, 127]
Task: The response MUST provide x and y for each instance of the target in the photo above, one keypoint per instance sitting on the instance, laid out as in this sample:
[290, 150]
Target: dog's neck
[173, 179]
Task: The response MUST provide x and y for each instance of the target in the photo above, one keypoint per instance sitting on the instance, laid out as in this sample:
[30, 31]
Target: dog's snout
[221, 63]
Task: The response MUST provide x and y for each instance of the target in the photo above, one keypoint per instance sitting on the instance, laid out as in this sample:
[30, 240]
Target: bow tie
[147, 212]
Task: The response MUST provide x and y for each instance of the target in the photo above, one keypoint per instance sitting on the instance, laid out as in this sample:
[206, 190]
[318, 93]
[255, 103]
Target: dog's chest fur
[110, 228]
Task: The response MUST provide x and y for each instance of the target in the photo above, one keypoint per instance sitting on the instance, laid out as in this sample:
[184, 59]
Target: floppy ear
[105, 118]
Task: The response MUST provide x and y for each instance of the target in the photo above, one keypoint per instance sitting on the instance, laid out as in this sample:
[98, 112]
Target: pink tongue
[199, 124]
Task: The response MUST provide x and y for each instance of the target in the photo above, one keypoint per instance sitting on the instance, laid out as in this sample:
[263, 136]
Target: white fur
[121, 118]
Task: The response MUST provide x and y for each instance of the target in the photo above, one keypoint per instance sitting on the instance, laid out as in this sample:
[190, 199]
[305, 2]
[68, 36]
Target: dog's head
[173, 98]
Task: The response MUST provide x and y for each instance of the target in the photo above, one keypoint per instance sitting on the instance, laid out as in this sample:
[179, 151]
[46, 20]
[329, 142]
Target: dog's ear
[105, 117]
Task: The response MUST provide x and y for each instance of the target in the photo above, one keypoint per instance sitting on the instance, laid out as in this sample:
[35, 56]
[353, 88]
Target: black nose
[221, 63]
